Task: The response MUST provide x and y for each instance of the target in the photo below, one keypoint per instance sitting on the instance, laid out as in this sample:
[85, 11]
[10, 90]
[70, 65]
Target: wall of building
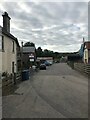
[8, 56]
[0, 61]
[0, 53]
[89, 56]
[85, 56]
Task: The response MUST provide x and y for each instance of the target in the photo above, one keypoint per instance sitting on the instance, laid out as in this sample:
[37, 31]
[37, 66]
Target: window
[12, 67]
[88, 60]
[13, 46]
[88, 53]
[2, 43]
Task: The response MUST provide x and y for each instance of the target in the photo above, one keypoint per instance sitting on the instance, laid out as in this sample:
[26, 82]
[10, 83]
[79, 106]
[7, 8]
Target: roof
[10, 35]
[74, 55]
[81, 51]
[28, 49]
[44, 58]
[87, 44]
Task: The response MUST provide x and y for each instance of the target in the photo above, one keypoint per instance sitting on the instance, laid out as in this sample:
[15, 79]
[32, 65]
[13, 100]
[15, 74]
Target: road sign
[31, 55]
[31, 60]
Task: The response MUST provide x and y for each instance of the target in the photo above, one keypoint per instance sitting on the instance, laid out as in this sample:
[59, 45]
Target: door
[12, 67]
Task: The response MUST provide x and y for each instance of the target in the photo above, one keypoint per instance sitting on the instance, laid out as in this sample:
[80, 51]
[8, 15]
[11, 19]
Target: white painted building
[8, 47]
[86, 57]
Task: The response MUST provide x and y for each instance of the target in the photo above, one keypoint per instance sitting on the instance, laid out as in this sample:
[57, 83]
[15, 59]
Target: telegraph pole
[83, 40]
[21, 56]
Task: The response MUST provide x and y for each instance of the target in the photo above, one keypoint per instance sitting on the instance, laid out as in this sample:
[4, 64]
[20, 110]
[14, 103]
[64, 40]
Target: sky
[58, 26]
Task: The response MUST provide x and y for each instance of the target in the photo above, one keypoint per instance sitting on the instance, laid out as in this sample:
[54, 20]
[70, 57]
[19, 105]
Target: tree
[29, 44]
[39, 49]
[48, 53]
[39, 52]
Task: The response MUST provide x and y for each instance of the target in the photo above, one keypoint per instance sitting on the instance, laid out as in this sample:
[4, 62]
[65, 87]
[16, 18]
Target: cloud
[59, 26]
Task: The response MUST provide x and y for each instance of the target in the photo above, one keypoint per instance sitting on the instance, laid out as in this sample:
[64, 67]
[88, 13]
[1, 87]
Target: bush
[4, 74]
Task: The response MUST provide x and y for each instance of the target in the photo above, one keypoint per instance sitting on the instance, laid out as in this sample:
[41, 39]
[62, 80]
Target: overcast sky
[57, 26]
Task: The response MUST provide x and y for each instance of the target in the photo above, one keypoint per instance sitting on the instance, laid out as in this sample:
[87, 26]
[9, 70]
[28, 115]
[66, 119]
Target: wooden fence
[9, 83]
[84, 68]
[81, 67]
[17, 77]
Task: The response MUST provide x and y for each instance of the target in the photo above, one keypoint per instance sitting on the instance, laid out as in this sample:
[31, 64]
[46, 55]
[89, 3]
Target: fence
[17, 77]
[84, 68]
[8, 83]
[81, 67]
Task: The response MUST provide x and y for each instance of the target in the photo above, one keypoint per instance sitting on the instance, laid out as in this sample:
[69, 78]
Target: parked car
[34, 67]
[42, 66]
[51, 63]
[47, 63]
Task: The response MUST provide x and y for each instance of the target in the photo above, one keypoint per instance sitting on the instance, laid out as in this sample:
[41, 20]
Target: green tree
[29, 44]
[39, 52]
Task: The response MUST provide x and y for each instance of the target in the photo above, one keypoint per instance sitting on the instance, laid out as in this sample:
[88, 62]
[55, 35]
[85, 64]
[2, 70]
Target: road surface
[58, 92]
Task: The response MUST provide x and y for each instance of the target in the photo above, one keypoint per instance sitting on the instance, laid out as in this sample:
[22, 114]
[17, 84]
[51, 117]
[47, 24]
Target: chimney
[6, 22]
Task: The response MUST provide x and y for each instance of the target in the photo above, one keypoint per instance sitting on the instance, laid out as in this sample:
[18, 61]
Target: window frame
[2, 49]
[13, 49]
[2, 43]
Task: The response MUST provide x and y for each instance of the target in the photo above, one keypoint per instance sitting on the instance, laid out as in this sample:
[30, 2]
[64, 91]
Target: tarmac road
[58, 92]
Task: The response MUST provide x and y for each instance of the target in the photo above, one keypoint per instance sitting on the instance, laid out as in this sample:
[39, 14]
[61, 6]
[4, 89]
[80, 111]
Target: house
[48, 59]
[86, 57]
[29, 55]
[9, 47]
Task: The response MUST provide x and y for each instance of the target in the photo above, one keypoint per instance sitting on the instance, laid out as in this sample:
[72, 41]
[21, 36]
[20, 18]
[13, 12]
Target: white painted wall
[0, 54]
[8, 56]
[85, 56]
[0, 62]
